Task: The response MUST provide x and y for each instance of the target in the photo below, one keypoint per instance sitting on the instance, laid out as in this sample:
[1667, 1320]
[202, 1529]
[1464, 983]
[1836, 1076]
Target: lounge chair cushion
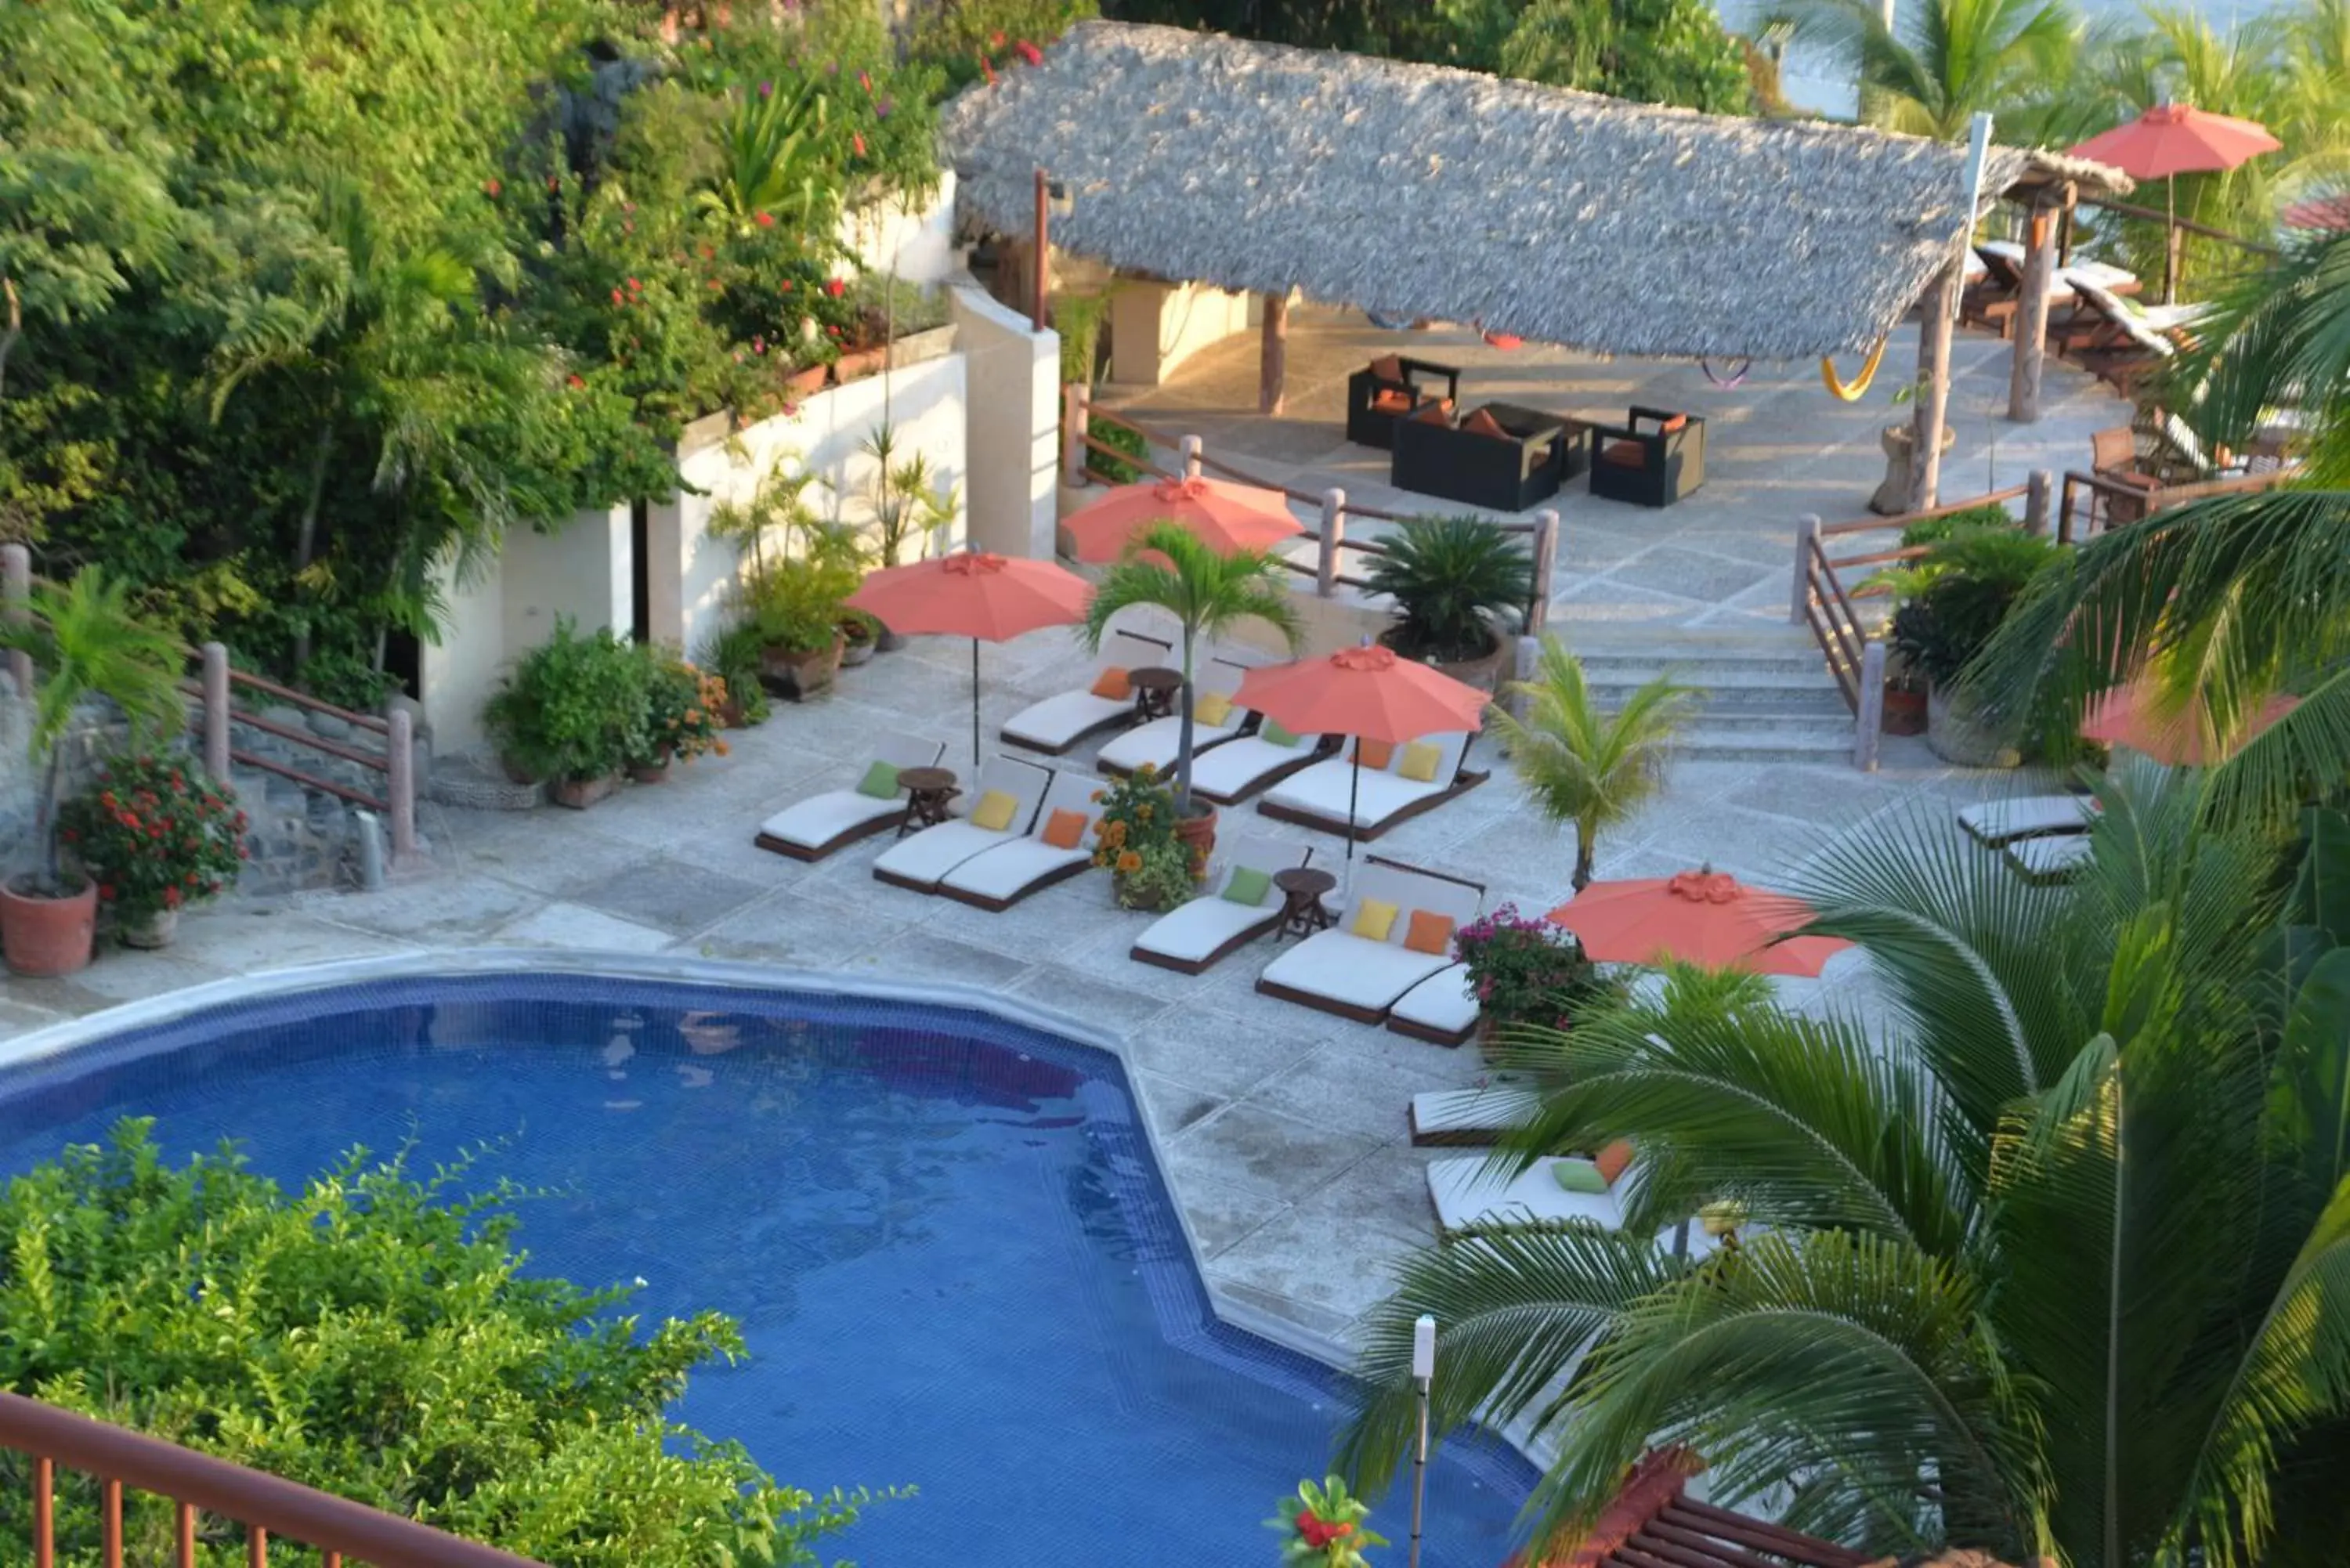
[1467, 1193]
[1274, 734]
[821, 818]
[1248, 886]
[1485, 424]
[1444, 1003]
[1375, 755]
[1342, 966]
[1329, 788]
[1579, 1176]
[1419, 762]
[1430, 933]
[1457, 1113]
[1190, 933]
[1373, 919]
[1625, 454]
[1211, 708]
[994, 812]
[1995, 822]
[1385, 402]
[880, 781]
[1065, 829]
[930, 854]
[1114, 684]
[1010, 867]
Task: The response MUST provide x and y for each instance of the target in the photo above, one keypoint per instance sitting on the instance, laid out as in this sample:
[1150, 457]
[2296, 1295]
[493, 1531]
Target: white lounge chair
[1470, 1117]
[1468, 1192]
[1154, 744]
[1324, 796]
[1241, 767]
[1057, 724]
[1191, 937]
[999, 877]
[1997, 822]
[920, 862]
[813, 828]
[1442, 1009]
[2050, 859]
[1361, 977]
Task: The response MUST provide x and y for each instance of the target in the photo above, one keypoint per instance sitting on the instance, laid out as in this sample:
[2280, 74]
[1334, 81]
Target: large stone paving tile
[1691, 573]
[580, 928]
[795, 928]
[665, 894]
[1321, 1260]
[1343, 1085]
[449, 910]
[1170, 1107]
[1221, 1214]
[1214, 1052]
[1275, 1156]
[923, 954]
[1387, 1192]
[243, 937]
[1097, 1002]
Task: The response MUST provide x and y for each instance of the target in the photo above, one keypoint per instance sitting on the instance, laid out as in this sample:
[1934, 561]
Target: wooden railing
[259, 1506]
[2094, 502]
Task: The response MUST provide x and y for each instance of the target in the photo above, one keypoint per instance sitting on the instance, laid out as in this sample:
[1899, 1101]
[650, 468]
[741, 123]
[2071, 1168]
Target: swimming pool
[953, 1257]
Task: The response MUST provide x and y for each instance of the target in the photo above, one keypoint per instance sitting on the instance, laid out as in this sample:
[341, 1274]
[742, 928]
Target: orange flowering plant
[683, 704]
[1135, 841]
[155, 835]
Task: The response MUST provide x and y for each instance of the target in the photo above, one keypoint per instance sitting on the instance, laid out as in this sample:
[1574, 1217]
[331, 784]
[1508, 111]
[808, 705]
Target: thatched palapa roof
[1421, 191]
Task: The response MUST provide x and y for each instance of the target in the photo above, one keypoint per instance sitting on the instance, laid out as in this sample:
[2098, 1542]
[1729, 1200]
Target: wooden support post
[1933, 397]
[1869, 724]
[1273, 359]
[2041, 487]
[2174, 245]
[401, 785]
[1041, 263]
[2031, 352]
[1545, 564]
[1334, 535]
[1799, 599]
[1189, 446]
[16, 592]
[216, 713]
[1073, 433]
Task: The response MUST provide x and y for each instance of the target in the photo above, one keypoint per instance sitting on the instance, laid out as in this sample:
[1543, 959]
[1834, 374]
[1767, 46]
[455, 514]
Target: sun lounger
[1467, 1191]
[1470, 1117]
[1154, 744]
[1997, 822]
[920, 862]
[1442, 1009]
[1241, 767]
[999, 877]
[813, 828]
[1193, 937]
[1357, 975]
[1057, 724]
[1320, 796]
[2050, 860]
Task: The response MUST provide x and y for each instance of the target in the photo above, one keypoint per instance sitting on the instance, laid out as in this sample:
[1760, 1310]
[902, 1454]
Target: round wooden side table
[928, 792]
[1302, 913]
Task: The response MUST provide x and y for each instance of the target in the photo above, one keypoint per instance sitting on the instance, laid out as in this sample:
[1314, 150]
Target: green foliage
[972, 40]
[1950, 524]
[1955, 597]
[1455, 581]
[155, 835]
[1126, 439]
[1650, 51]
[574, 707]
[1584, 766]
[1525, 969]
[2049, 1258]
[1942, 62]
[682, 710]
[370, 1334]
[1078, 318]
[1134, 840]
[2278, 335]
[733, 657]
[1323, 1527]
[902, 502]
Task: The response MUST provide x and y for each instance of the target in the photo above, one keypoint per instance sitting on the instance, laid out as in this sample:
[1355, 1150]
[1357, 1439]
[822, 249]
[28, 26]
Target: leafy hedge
[371, 1336]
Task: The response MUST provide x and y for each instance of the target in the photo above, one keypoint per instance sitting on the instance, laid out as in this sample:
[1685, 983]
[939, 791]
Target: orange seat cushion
[1612, 1160]
[1065, 829]
[1438, 412]
[1375, 754]
[1430, 933]
[1625, 454]
[1388, 368]
[1390, 403]
[1114, 685]
[1485, 424]
[1679, 422]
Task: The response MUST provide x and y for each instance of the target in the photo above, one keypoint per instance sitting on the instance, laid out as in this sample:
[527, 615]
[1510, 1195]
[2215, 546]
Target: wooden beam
[1933, 389]
[1273, 363]
[2031, 351]
[1041, 280]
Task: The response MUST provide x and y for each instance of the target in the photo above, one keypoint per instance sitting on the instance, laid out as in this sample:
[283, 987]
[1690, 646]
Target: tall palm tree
[1581, 764]
[1210, 595]
[1942, 62]
[2056, 1260]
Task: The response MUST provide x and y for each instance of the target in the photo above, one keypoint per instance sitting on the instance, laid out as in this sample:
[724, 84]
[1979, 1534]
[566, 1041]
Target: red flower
[987, 70]
[766, 220]
[996, 40]
[554, 182]
[786, 288]
[836, 287]
[1030, 52]
[1319, 1532]
[244, 852]
[864, 81]
[857, 139]
[619, 298]
[636, 287]
[106, 891]
[172, 897]
[576, 382]
[492, 189]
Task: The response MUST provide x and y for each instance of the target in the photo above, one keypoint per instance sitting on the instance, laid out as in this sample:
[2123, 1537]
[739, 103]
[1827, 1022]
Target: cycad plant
[1581, 764]
[1210, 595]
[2052, 1259]
[1943, 61]
[769, 160]
[1454, 581]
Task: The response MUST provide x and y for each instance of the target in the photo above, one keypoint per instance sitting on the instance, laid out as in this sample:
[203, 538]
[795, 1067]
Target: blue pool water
[952, 1255]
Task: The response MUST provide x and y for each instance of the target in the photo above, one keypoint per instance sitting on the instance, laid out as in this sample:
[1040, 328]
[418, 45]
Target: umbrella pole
[1353, 795]
[975, 707]
[2170, 241]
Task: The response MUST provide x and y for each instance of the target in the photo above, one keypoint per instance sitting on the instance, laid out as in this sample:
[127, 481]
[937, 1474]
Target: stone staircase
[1768, 695]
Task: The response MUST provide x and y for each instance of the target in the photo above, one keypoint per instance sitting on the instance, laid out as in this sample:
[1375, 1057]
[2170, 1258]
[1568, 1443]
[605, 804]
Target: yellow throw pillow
[1419, 764]
[1373, 921]
[1212, 708]
[993, 810]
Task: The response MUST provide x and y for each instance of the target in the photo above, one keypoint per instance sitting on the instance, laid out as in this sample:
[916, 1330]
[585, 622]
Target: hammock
[1859, 385]
[1731, 378]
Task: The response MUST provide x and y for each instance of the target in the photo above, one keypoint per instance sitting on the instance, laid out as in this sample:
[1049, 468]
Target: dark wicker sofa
[1524, 458]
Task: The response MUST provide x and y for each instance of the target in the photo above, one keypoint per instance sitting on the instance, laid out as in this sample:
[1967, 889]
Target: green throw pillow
[1579, 1176]
[1247, 885]
[1274, 734]
[880, 781]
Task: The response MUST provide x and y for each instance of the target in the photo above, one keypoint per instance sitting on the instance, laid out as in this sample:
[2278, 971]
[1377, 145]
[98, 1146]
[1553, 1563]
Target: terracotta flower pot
[651, 772]
[47, 936]
[808, 382]
[1197, 833]
[803, 673]
[1905, 711]
[856, 364]
[581, 794]
[1118, 889]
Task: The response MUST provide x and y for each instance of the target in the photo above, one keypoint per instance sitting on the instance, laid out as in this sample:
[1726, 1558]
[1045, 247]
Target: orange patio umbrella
[1699, 917]
[1367, 692]
[1227, 517]
[2132, 716]
[983, 597]
[2173, 139]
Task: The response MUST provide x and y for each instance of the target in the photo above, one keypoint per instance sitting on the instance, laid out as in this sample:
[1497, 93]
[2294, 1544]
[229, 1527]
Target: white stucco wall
[1155, 327]
[582, 571]
[917, 244]
[1016, 423]
[458, 672]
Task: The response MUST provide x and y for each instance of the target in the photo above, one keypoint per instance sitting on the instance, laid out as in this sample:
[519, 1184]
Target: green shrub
[1126, 439]
[370, 1335]
[574, 707]
[156, 836]
[1454, 581]
[1934, 530]
[1960, 593]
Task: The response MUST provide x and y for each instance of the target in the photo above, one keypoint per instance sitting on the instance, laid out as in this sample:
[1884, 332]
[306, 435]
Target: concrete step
[1722, 679]
[1705, 744]
[1775, 721]
[1694, 666]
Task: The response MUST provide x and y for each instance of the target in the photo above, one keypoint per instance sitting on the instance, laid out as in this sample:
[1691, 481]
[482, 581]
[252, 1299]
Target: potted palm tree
[1455, 582]
[86, 644]
[1209, 594]
[1593, 769]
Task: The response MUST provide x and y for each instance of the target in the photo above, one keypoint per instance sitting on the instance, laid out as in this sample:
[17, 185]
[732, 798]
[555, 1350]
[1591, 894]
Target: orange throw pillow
[1625, 454]
[1484, 424]
[1114, 685]
[1065, 829]
[1612, 1160]
[1390, 403]
[1677, 423]
[1429, 932]
[1375, 754]
[1388, 368]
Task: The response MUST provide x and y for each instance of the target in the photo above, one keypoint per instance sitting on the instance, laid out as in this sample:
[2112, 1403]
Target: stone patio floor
[1282, 1130]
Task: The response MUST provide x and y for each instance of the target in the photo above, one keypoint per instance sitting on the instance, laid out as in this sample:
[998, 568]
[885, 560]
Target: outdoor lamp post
[1423, 1371]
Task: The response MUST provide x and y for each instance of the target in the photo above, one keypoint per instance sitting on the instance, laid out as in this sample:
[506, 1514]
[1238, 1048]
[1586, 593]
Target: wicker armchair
[1654, 459]
[1388, 388]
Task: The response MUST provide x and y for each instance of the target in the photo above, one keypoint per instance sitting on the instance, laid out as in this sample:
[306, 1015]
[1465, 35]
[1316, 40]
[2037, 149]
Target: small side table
[928, 791]
[1302, 913]
[1154, 691]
